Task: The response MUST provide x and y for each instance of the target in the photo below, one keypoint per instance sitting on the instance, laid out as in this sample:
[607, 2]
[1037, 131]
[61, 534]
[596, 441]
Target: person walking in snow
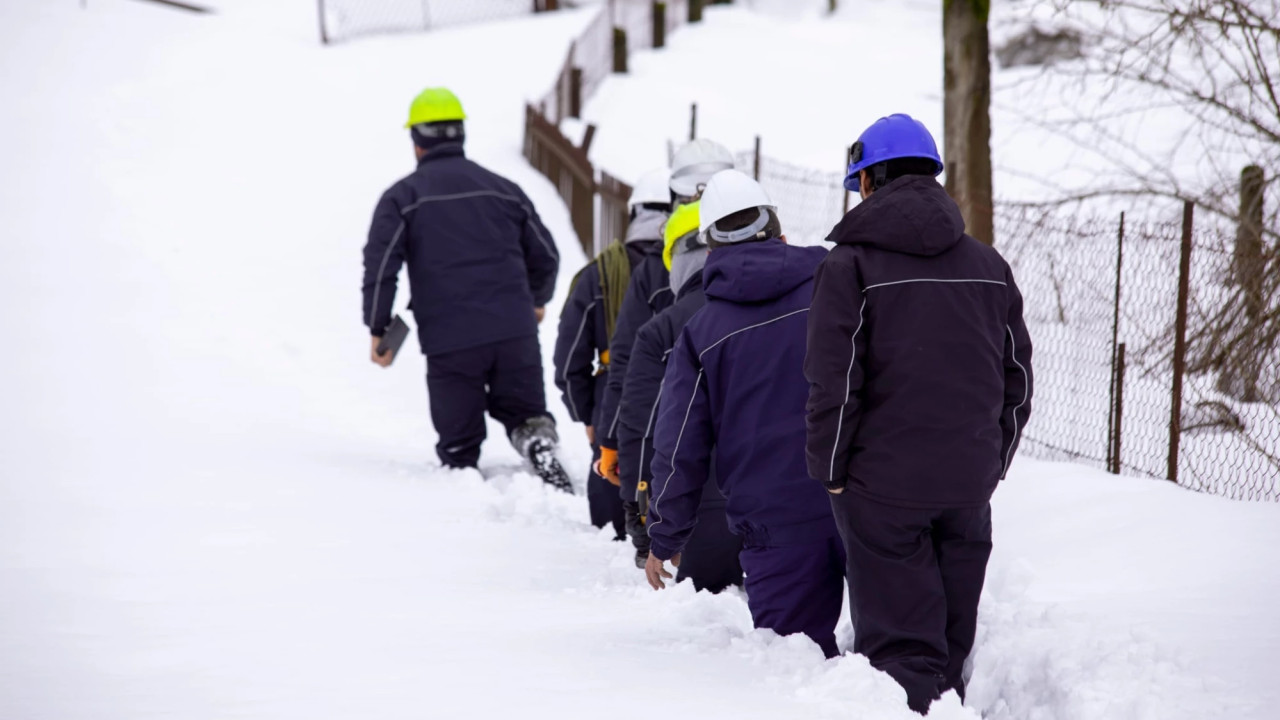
[649, 293]
[734, 391]
[710, 558]
[920, 371]
[582, 346]
[482, 268]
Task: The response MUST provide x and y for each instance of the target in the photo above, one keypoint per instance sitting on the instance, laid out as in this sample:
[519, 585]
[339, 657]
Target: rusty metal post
[1113, 452]
[1180, 341]
[620, 50]
[693, 122]
[756, 167]
[659, 12]
[1115, 338]
[575, 92]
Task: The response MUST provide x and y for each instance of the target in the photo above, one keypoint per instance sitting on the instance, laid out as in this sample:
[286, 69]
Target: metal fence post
[693, 122]
[756, 167]
[1180, 340]
[659, 12]
[1115, 338]
[1113, 452]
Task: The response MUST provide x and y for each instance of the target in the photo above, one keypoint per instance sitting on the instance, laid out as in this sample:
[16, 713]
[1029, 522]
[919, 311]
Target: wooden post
[756, 167]
[620, 50]
[587, 137]
[659, 25]
[1115, 337]
[693, 122]
[695, 11]
[324, 30]
[1117, 431]
[1242, 364]
[831, 6]
[1180, 341]
[575, 92]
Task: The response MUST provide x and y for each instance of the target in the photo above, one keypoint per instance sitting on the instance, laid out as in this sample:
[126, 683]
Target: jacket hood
[912, 215]
[647, 225]
[759, 271]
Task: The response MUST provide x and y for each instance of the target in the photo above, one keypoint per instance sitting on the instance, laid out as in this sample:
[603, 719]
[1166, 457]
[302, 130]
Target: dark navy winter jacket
[479, 257]
[735, 387]
[643, 385]
[648, 294]
[919, 360]
[583, 337]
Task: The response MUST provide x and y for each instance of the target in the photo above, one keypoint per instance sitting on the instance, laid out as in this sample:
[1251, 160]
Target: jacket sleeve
[634, 312]
[682, 445]
[1018, 378]
[384, 254]
[540, 255]
[833, 365]
[576, 345]
[639, 407]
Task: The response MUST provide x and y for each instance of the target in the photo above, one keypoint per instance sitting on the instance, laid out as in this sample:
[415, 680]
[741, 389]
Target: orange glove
[607, 466]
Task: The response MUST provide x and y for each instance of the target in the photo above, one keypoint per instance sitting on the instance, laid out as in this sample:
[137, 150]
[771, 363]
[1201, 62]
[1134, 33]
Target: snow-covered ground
[213, 506]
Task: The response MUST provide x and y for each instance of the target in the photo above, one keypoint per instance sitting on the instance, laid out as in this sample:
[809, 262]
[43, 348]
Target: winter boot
[536, 441]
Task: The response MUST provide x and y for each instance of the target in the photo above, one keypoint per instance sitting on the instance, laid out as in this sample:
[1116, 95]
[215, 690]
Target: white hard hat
[728, 192]
[695, 163]
[652, 188]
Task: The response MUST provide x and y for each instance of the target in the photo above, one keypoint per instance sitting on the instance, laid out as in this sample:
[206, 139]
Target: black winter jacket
[583, 338]
[649, 294]
[480, 259]
[643, 384]
[918, 359]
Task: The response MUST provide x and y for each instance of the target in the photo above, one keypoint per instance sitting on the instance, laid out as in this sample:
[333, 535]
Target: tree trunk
[967, 113]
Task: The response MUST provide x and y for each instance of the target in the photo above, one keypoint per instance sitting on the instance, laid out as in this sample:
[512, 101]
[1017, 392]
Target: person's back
[933, 305]
[734, 395]
[920, 382]
[481, 270]
[465, 228]
[747, 342]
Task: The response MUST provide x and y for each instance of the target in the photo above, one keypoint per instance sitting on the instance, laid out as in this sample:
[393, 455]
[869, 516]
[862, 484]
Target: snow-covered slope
[213, 506]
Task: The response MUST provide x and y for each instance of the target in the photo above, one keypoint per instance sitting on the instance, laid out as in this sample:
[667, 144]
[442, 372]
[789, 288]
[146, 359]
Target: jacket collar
[440, 152]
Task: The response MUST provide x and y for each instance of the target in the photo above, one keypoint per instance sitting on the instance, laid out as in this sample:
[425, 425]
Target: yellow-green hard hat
[682, 222]
[435, 105]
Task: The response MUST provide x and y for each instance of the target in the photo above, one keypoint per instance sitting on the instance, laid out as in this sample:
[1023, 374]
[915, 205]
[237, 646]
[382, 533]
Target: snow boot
[536, 441]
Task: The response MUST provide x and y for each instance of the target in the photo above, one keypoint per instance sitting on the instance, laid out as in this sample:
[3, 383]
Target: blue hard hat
[889, 138]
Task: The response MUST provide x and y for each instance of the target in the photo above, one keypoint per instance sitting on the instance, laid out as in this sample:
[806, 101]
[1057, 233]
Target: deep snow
[212, 505]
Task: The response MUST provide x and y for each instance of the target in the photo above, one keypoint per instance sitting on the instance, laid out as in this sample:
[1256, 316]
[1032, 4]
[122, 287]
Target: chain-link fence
[810, 202]
[1114, 355]
[345, 19]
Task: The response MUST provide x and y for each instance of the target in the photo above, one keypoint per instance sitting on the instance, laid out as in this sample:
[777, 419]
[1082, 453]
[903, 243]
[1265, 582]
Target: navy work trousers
[710, 558]
[915, 577]
[603, 501]
[797, 589]
[503, 378]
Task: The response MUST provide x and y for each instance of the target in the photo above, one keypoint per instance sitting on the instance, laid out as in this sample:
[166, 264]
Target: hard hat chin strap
[754, 231]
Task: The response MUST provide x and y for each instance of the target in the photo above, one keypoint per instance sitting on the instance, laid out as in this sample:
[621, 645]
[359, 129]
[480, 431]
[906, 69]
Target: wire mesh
[345, 19]
[810, 202]
[1228, 428]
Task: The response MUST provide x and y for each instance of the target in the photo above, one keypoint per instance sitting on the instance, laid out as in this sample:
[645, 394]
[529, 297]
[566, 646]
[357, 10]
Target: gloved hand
[607, 466]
